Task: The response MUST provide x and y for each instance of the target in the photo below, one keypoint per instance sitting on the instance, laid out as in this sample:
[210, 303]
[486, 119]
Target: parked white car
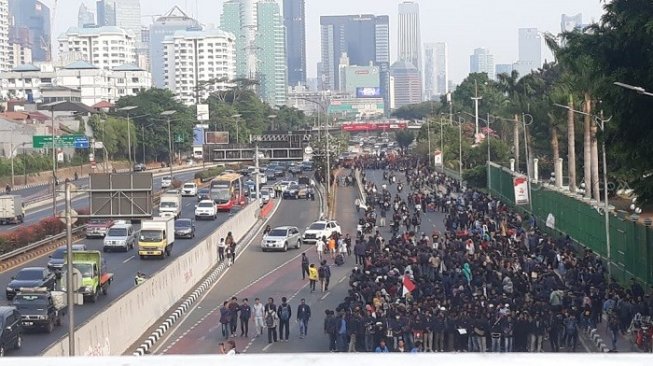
[189, 190]
[319, 229]
[206, 209]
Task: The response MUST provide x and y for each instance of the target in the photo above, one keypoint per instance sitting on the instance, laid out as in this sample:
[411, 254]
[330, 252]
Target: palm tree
[508, 84]
[564, 86]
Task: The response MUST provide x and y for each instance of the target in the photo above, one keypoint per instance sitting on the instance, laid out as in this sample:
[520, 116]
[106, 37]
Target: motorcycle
[139, 278]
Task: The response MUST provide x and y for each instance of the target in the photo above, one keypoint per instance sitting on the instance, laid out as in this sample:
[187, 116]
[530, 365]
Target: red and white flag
[409, 285]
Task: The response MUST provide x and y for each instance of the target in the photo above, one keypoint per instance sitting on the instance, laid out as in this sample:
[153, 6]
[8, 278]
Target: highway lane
[124, 266]
[81, 202]
[252, 268]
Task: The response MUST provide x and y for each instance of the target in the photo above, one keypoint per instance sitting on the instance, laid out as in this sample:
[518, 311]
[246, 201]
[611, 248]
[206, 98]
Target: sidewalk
[602, 339]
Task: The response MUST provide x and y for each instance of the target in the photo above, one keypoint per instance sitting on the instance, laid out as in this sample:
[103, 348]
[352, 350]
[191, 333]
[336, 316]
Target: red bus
[227, 191]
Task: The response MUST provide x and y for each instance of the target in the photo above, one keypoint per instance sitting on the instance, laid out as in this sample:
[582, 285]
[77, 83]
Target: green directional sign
[45, 141]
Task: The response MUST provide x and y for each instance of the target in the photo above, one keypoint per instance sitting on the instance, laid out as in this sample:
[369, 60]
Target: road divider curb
[123, 322]
[146, 346]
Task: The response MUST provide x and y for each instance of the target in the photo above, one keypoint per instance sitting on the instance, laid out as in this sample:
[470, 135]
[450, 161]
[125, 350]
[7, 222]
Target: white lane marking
[128, 259]
[325, 296]
[266, 348]
[343, 279]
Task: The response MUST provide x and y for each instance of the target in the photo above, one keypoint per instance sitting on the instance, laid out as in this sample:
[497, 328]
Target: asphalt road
[80, 202]
[123, 265]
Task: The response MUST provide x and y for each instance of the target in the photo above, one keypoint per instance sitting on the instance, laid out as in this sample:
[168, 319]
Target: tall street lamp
[525, 123]
[129, 134]
[143, 139]
[51, 108]
[600, 121]
[272, 117]
[637, 89]
[167, 114]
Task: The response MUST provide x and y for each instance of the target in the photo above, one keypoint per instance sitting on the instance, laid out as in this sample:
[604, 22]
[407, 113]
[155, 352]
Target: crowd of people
[491, 281]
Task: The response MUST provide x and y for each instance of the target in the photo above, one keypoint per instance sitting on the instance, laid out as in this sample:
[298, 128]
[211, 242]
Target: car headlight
[41, 317]
[88, 289]
[10, 289]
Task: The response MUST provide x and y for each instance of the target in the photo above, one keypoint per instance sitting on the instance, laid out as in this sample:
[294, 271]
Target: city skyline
[452, 25]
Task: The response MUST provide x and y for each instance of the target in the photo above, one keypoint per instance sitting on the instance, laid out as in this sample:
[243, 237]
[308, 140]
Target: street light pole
[167, 114]
[237, 116]
[637, 89]
[54, 158]
[69, 273]
[528, 160]
[476, 99]
[461, 120]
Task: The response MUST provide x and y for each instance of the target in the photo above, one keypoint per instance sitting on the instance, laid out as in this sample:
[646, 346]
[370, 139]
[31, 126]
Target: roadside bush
[25, 235]
[207, 175]
[176, 183]
[51, 226]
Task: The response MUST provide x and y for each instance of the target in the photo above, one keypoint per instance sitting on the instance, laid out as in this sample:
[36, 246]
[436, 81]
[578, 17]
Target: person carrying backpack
[324, 273]
[271, 322]
[284, 312]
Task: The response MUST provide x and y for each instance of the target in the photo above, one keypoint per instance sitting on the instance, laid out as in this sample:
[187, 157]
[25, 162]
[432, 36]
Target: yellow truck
[156, 237]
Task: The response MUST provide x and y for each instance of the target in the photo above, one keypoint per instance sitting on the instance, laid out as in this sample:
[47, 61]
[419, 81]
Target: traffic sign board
[45, 141]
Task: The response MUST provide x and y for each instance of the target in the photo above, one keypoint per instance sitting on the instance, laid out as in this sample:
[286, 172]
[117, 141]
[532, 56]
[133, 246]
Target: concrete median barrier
[114, 330]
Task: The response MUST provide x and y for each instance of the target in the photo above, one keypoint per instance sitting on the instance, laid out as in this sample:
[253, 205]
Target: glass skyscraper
[294, 21]
[29, 25]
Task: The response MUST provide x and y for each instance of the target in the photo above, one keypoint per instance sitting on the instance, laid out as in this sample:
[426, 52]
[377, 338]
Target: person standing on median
[245, 315]
[231, 245]
[259, 315]
[303, 315]
[304, 266]
[221, 247]
[312, 276]
[285, 313]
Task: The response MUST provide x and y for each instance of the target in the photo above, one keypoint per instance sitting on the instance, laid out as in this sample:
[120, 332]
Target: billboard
[217, 137]
[198, 136]
[521, 190]
[121, 195]
[371, 126]
[202, 112]
[368, 92]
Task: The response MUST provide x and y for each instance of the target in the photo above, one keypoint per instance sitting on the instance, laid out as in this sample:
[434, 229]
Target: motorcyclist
[139, 278]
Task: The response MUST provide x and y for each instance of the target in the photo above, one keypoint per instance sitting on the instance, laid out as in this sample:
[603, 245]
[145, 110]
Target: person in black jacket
[303, 316]
[285, 313]
[330, 328]
[245, 315]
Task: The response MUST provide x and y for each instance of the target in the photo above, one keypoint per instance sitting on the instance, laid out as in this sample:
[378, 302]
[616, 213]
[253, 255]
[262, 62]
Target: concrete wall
[114, 330]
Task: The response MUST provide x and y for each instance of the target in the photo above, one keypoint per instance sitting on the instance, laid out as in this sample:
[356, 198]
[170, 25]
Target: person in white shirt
[319, 246]
[259, 314]
[221, 247]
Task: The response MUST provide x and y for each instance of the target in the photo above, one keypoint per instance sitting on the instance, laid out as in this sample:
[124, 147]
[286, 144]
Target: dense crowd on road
[491, 281]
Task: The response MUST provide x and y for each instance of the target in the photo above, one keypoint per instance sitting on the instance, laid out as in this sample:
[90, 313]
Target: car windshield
[151, 235]
[96, 222]
[168, 204]
[59, 253]
[278, 232]
[182, 224]
[115, 231]
[166, 178]
[293, 186]
[86, 269]
[265, 194]
[317, 226]
[30, 275]
[29, 301]
[205, 204]
[221, 195]
[189, 185]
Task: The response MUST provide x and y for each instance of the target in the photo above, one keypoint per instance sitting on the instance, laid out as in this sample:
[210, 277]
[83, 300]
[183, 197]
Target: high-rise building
[407, 87]
[364, 38]
[436, 69]
[164, 26]
[5, 50]
[271, 53]
[85, 16]
[104, 47]
[239, 18]
[530, 51]
[19, 55]
[570, 23]
[410, 43]
[482, 61]
[106, 13]
[503, 69]
[194, 56]
[361, 81]
[29, 25]
[295, 23]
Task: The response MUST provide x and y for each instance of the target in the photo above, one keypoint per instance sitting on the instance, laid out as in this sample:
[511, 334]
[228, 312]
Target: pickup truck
[40, 308]
[320, 229]
[157, 237]
[97, 228]
[166, 182]
[11, 209]
[170, 205]
[95, 278]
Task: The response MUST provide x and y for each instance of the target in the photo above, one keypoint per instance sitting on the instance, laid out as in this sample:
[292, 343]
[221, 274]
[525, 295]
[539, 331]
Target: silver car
[281, 238]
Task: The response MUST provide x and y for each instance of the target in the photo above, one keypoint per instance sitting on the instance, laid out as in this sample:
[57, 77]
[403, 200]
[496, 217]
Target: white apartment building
[95, 84]
[5, 52]
[19, 55]
[197, 63]
[105, 47]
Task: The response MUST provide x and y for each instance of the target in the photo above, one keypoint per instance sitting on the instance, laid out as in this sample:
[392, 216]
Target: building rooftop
[194, 34]
[26, 68]
[403, 65]
[127, 67]
[80, 65]
[94, 31]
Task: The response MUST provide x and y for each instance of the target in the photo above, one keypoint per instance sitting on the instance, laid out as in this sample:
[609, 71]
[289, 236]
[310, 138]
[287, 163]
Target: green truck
[93, 269]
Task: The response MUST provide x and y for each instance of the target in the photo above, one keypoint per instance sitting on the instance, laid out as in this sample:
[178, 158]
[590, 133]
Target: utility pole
[476, 98]
[70, 295]
[258, 171]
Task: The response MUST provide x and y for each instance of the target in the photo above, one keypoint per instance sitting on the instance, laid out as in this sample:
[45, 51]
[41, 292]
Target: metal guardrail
[48, 240]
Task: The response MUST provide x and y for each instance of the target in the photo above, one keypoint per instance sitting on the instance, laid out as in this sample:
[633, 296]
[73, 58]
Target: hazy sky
[464, 24]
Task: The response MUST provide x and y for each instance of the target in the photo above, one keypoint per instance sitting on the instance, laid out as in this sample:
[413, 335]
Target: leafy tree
[404, 138]
[416, 111]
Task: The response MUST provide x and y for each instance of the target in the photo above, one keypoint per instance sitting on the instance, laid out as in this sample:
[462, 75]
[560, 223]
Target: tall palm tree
[564, 85]
[508, 84]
